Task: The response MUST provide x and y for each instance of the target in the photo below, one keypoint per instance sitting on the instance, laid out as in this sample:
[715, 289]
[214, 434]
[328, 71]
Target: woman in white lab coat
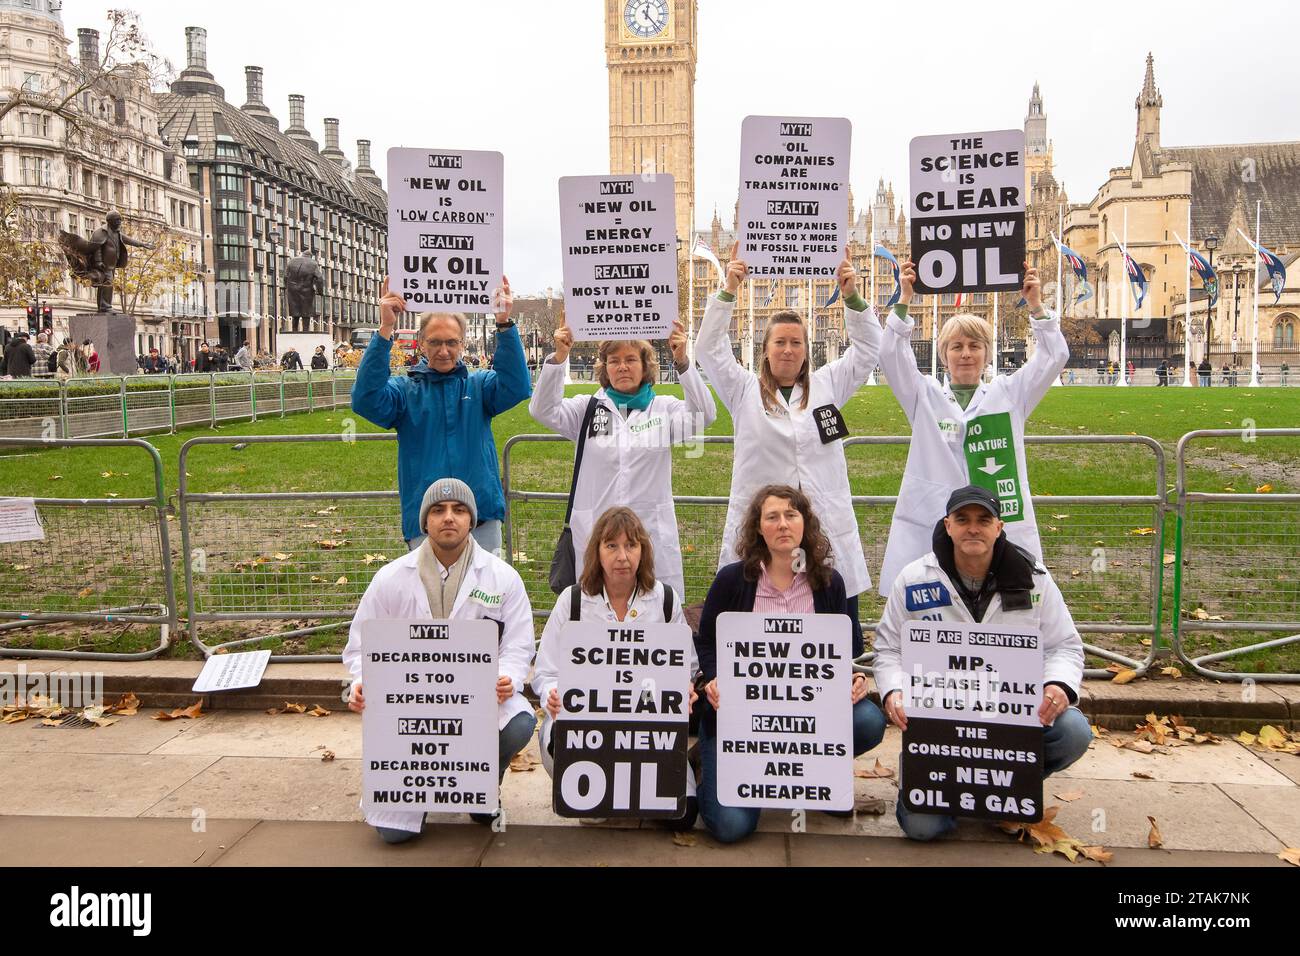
[618, 584]
[787, 418]
[628, 455]
[964, 431]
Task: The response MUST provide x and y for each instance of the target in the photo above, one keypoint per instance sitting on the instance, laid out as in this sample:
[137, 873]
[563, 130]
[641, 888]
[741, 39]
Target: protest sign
[620, 738]
[794, 195]
[232, 672]
[619, 235]
[968, 211]
[20, 521]
[785, 715]
[429, 730]
[445, 234]
[973, 745]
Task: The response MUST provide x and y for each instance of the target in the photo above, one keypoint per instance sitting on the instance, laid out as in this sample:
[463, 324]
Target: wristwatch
[508, 324]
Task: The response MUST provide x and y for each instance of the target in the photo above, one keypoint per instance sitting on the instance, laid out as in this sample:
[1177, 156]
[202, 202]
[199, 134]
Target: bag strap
[577, 458]
[575, 603]
[668, 603]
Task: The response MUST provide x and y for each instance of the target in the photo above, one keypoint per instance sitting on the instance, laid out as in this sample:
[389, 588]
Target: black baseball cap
[974, 495]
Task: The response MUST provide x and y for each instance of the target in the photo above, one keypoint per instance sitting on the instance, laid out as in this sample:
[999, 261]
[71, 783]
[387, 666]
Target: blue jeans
[729, 824]
[1063, 743]
[487, 535]
[513, 738]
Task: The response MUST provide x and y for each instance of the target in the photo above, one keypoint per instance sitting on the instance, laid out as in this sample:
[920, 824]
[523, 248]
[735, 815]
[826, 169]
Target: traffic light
[47, 317]
[31, 318]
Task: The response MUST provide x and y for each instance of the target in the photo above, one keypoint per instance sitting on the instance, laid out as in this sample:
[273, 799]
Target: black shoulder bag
[564, 571]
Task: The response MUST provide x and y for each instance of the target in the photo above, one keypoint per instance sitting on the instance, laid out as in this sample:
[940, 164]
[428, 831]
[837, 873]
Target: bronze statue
[95, 260]
[302, 283]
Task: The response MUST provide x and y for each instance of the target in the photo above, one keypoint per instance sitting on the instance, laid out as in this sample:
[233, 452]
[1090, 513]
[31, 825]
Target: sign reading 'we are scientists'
[445, 235]
[619, 235]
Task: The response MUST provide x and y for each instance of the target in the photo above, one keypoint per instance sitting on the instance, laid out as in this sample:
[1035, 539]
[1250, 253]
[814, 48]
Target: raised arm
[690, 418]
[897, 360]
[1030, 382]
[507, 381]
[852, 369]
[548, 404]
[376, 395]
[713, 341]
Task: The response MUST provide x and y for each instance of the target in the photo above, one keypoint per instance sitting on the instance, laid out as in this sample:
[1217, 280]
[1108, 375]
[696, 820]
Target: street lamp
[1237, 271]
[1211, 243]
[274, 235]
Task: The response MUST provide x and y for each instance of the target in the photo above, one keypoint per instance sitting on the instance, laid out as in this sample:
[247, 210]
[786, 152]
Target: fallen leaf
[318, 711]
[342, 580]
[1142, 775]
[878, 772]
[22, 567]
[1069, 796]
[1263, 489]
[1100, 731]
[289, 708]
[1173, 672]
[330, 544]
[330, 510]
[1145, 642]
[282, 556]
[1141, 746]
[1098, 854]
[1060, 517]
[1124, 676]
[327, 756]
[1170, 558]
[872, 806]
[1247, 739]
[56, 477]
[1154, 839]
[127, 705]
[316, 579]
[85, 592]
[1290, 855]
[1047, 837]
[1143, 531]
[682, 839]
[194, 710]
[522, 763]
[273, 711]
[114, 494]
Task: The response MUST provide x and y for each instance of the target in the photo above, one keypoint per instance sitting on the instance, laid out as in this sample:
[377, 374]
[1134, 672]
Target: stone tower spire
[1148, 106]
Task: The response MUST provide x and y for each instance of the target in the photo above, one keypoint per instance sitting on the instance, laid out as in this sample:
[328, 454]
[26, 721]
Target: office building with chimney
[269, 195]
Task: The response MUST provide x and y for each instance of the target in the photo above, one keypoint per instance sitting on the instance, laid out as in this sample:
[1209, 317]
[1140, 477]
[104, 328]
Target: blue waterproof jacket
[443, 421]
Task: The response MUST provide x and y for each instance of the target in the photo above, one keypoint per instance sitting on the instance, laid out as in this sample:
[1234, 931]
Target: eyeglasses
[437, 344]
[619, 363]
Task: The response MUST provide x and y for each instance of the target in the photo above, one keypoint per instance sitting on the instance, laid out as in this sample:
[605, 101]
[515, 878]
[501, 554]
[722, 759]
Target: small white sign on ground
[785, 715]
[19, 520]
[429, 736]
[232, 671]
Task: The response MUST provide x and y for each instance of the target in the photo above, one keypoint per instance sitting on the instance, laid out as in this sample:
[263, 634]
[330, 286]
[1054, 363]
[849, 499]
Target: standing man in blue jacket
[442, 411]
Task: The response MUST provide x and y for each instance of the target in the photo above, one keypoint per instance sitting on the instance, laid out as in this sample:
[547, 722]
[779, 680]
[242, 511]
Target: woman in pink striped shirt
[785, 567]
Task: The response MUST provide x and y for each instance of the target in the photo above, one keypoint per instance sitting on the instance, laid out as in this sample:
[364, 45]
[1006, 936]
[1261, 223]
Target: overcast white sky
[528, 78]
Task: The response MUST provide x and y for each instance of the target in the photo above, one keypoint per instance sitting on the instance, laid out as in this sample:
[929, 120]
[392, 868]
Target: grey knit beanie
[448, 489]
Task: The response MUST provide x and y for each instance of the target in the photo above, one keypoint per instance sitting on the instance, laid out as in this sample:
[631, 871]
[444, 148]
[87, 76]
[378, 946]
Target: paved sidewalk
[255, 787]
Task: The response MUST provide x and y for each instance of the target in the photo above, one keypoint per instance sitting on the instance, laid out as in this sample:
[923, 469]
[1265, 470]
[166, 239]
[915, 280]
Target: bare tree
[31, 263]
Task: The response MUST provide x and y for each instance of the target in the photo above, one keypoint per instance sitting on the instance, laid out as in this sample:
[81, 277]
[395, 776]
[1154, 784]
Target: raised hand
[737, 270]
[391, 305]
[847, 277]
[906, 281]
[1032, 290]
[677, 343]
[563, 343]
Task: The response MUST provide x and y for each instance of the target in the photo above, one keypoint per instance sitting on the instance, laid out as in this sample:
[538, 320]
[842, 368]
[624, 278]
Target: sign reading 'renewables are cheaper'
[620, 256]
[620, 738]
[968, 211]
[429, 730]
[785, 712]
[445, 235]
[794, 195]
[973, 745]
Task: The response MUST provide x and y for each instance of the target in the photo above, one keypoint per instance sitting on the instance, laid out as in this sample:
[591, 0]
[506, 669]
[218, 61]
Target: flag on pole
[1083, 291]
[958, 299]
[835, 296]
[883, 253]
[702, 251]
[1137, 279]
[1209, 280]
[1275, 266]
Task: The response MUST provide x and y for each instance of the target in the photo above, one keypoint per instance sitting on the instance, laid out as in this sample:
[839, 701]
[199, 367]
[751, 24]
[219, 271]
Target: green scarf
[638, 400]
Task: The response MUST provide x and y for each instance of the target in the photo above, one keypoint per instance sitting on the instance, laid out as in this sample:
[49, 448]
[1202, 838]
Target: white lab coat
[936, 462]
[397, 593]
[646, 607]
[1047, 614]
[632, 465]
[785, 447]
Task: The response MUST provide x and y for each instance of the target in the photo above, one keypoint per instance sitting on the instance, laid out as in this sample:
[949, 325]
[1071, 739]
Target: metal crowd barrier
[1109, 573]
[106, 406]
[103, 560]
[285, 555]
[1237, 557]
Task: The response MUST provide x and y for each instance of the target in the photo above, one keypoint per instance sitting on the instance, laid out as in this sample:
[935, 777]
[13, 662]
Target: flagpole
[934, 335]
[1123, 317]
[749, 291]
[871, 294]
[1060, 264]
[1254, 334]
[1187, 310]
[690, 295]
[995, 335]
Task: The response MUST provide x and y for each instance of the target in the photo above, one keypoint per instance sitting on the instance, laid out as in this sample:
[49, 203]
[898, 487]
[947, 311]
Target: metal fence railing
[282, 556]
[104, 407]
[102, 560]
[1106, 553]
[1237, 560]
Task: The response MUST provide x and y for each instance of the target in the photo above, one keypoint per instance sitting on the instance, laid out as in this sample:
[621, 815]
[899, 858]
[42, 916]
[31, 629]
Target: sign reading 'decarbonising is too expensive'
[619, 235]
[445, 234]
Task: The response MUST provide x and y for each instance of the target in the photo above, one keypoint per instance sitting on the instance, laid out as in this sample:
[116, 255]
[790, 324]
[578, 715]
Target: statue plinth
[112, 334]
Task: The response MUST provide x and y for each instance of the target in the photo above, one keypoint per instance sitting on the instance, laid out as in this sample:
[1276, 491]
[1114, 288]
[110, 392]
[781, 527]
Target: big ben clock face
[646, 18]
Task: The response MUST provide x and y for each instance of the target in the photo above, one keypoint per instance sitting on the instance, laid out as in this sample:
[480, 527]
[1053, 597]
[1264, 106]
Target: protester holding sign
[450, 577]
[976, 574]
[787, 420]
[965, 431]
[627, 458]
[443, 412]
[617, 584]
[784, 566]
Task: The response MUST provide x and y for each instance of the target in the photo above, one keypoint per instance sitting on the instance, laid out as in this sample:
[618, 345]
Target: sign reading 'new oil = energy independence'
[620, 256]
[445, 234]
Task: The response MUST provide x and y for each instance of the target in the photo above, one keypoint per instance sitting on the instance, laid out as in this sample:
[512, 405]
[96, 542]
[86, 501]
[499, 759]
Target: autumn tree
[31, 263]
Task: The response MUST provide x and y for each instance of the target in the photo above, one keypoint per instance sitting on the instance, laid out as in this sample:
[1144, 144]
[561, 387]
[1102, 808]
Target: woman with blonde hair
[965, 432]
[787, 418]
[627, 455]
[618, 584]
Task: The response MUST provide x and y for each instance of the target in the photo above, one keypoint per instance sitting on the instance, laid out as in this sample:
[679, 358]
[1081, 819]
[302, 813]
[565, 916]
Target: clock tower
[650, 51]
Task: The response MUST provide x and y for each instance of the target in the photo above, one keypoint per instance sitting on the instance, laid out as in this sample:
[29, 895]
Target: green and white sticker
[991, 462]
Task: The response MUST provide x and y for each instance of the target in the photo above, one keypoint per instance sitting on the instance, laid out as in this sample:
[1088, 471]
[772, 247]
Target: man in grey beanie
[447, 576]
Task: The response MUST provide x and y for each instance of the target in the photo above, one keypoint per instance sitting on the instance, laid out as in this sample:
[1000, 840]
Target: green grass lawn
[1239, 569]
